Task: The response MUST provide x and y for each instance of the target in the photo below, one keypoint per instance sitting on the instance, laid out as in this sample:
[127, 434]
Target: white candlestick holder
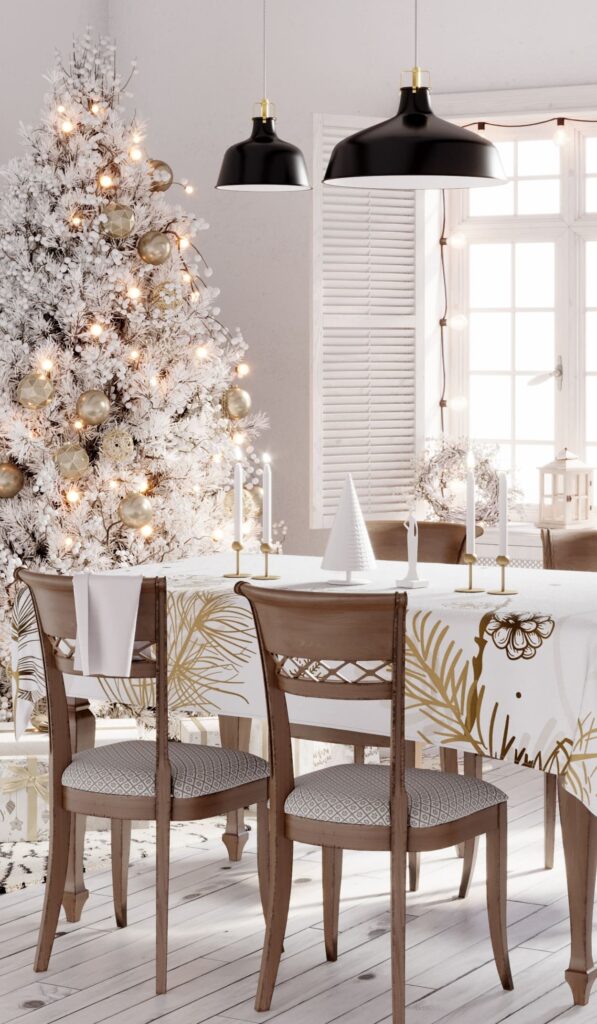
[470, 561]
[237, 547]
[503, 561]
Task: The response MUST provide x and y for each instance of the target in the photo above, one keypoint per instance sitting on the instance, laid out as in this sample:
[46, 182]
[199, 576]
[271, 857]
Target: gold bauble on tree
[166, 296]
[250, 505]
[35, 390]
[161, 175]
[11, 479]
[117, 445]
[93, 407]
[154, 248]
[72, 461]
[256, 493]
[135, 511]
[236, 403]
[120, 220]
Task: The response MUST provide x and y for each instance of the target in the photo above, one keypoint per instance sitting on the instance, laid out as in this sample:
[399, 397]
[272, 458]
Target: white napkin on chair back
[106, 608]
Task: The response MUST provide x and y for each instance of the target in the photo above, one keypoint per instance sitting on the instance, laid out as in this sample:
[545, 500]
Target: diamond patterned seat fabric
[358, 794]
[128, 769]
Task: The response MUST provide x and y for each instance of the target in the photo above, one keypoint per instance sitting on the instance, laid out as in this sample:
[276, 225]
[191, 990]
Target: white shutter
[364, 378]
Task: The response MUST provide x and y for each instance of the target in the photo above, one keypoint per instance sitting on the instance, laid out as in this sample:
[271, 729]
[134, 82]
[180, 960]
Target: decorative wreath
[444, 464]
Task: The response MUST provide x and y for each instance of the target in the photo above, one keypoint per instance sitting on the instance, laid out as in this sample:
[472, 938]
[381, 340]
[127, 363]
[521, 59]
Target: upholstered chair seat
[359, 794]
[128, 769]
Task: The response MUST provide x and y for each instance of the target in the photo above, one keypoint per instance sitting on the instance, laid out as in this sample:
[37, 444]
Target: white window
[522, 278]
[364, 371]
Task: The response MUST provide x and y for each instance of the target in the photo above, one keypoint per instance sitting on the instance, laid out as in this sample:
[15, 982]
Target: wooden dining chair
[444, 543]
[350, 648]
[574, 550]
[157, 781]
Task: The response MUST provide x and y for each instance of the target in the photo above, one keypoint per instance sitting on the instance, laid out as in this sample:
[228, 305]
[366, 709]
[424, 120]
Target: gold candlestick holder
[470, 561]
[238, 575]
[503, 561]
[266, 550]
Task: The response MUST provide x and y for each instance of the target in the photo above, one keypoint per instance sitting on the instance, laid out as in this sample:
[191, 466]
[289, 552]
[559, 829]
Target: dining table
[509, 676]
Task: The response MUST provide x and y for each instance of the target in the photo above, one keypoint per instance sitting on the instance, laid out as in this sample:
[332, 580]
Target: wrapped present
[24, 812]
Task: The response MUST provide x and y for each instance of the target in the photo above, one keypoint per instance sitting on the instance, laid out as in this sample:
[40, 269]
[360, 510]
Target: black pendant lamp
[415, 149]
[263, 162]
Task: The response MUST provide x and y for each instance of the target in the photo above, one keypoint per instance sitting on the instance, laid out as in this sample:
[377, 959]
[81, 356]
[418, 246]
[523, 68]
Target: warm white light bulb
[201, 352]
[136, 153]
[183, 243]
[68, 542]
[78, 424]
[134, 292]
[76, 220]
[187, 278]
[47, 365]
[243, 369]
[143, 486]
[96, 330]
[266, 457]
[217, 458]
[113, 485]
[238, 438]
[73, 496]
[133, 354]
[106, 180]
[95, 107]
[457, 240]
[457, 322]
[189, 190]
[154, 382]
[147, 530]
[217, 535]
[61, 108]
[67, 127]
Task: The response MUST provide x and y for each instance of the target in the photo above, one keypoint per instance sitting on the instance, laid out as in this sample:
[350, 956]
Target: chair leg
[57, 865]
[550, 790]
[497, 881]
[398, 931]
[359, 755]
[281, 850]
[414, 759]
[121, 848]
[332, 879]
[162, 890]
[263, 854]
[468, 866]
[414, 869]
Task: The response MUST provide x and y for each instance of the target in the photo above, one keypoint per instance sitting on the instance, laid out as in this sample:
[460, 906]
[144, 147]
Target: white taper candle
[470, 505]
[238, 502]
[266, 520]
[503, 510]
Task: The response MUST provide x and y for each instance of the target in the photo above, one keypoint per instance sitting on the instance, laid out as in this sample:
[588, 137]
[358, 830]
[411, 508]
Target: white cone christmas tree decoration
[349, 548]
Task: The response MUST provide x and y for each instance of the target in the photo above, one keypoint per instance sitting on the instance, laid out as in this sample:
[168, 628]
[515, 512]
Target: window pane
[591, 410]
[539, 196]
[591, 195]
[591, 342]
[506, 151]
[538, 157]
[591, 156]
[535, 274]
[490, 275]
[490, 406]
[493, 201]
[534, 409]
[528, 458]
[490, 341]
[591, 273]
[535, 343]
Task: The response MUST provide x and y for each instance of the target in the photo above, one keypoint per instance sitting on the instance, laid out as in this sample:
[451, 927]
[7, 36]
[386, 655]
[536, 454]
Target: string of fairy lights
[457, 240]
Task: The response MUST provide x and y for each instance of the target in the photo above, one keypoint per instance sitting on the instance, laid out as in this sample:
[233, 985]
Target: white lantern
[566, 486]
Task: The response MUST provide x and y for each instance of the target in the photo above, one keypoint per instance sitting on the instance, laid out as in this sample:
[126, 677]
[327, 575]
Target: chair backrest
[438, 542]
[570, 549]
[54, 605]
[334, 646]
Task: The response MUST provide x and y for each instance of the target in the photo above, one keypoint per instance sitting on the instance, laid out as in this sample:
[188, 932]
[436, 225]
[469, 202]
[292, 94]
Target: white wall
[199, 76]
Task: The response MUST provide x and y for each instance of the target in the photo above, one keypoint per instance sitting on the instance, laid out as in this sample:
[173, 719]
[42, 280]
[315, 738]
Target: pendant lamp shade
[414, 150]
[263, 163]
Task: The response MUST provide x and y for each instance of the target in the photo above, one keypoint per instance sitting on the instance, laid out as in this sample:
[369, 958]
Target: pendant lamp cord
[264, 48]
[443, 323]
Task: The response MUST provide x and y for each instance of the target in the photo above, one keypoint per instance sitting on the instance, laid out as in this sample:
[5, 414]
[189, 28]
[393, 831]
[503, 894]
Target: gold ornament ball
[11, 480]
[237, 403]
[257, 496]
[72, 461]
[120, 220]
[166, 296]
[35, 390]
[117, 446]
[154, 248]
[250, 505]
[93, 407]
[161, 175]
[135, 511]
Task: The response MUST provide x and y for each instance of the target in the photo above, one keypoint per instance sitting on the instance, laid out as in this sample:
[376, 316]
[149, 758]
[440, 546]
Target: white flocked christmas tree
[122, 400]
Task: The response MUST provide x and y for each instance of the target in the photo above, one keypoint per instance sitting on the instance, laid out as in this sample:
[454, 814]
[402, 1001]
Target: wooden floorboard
[102, 975]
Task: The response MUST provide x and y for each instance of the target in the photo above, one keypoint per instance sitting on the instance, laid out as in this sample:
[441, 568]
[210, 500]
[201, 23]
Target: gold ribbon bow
[36, 785]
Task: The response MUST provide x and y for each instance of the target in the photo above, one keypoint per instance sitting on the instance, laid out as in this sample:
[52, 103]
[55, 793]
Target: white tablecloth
[510, 677]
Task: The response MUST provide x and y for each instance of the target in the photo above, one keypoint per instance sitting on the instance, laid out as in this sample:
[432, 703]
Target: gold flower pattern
[519, 634]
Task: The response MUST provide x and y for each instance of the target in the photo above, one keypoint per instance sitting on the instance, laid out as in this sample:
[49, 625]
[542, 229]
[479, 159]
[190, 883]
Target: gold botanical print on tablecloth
[447, 687]
[581, 772]
[27, 664]
[520, 634]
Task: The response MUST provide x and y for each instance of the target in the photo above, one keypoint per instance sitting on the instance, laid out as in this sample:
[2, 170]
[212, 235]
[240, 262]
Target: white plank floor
[101, 975]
